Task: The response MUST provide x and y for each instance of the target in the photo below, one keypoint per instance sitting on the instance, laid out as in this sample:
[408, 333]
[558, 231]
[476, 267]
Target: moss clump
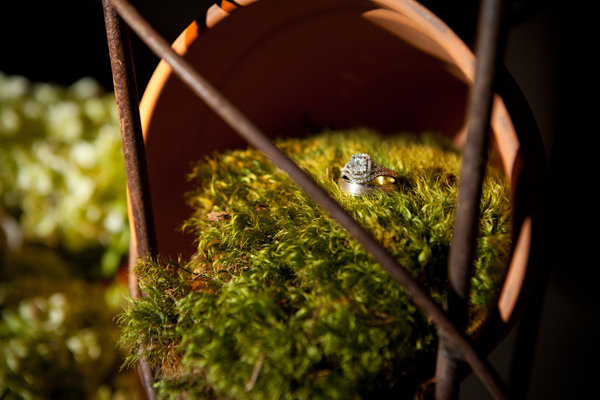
[280, 302]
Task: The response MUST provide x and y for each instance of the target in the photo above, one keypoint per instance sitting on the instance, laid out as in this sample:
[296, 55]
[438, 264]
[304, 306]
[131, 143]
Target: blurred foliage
[61, 170]
[280, 302]
[57, 333]
[63, 235]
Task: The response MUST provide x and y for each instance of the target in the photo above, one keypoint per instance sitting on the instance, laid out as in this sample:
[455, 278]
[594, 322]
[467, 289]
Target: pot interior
[298, 67]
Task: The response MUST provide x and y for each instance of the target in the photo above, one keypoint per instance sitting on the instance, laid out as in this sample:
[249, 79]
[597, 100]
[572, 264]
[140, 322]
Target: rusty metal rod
[466, 226]
[131, 131]
[119, 45]
[245, 128]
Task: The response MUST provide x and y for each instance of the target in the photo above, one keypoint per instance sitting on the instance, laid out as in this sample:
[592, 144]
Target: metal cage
[455, 350]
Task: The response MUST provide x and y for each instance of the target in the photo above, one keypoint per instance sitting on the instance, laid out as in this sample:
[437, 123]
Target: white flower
[10, 122]
[34, 177]
[64, 120]
[57, 309]
[114, 222]
[94, 109]
[81, 187]
[32, 109]
[83, 154]
[84, 345]
[75, 346]
[85, 87]
[13, 87]
[45, 93]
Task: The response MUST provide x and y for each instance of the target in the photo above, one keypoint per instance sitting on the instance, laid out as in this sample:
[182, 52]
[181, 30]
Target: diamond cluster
[358, 167]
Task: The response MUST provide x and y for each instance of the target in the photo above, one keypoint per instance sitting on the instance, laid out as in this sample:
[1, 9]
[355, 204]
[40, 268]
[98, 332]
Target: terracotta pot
[298, 66]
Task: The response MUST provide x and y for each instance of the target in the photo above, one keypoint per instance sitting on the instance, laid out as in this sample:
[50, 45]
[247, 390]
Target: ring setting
[361, 175]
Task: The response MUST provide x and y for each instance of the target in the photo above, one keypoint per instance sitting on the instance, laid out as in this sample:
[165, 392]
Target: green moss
[280, 302]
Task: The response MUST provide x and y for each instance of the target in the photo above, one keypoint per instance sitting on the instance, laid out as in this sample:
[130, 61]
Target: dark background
[550, 52]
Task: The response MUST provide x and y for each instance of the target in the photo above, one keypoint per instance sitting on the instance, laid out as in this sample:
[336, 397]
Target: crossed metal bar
[454, 345]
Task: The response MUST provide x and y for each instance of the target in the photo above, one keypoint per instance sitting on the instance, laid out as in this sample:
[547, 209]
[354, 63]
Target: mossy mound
[280, 302]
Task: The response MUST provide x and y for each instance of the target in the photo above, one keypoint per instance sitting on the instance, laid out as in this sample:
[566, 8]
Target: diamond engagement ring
[362, 175]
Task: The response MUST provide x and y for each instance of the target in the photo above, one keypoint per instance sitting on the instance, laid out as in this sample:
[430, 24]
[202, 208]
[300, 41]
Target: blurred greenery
[63, 237]
[62, 175]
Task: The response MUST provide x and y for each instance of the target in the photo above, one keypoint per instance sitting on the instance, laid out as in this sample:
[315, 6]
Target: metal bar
[460, 262]
[255, 137]
[474, 161]
[119, 45]
[131, 130]
[447, 381]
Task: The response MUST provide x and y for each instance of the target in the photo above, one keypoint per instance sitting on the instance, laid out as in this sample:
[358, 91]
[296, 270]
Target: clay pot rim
[511, 297]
